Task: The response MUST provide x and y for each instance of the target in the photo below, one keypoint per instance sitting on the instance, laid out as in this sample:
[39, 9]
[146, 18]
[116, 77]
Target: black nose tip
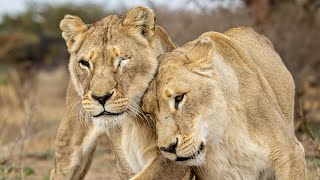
[102, 99]
[171, 148]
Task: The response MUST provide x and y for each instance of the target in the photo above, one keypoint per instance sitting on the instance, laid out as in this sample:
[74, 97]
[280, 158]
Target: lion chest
[236, 157]
[132, 148]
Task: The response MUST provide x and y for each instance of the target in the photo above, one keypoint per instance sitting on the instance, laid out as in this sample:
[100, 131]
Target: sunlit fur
[103, 45]
[238, 102]
[120, 55]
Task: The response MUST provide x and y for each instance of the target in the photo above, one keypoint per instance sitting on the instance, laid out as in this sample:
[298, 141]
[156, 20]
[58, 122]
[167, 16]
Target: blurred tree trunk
[261, 10]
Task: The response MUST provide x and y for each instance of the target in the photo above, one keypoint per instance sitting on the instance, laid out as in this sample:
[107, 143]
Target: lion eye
[84, 63]
[122, 61]
[177, 100]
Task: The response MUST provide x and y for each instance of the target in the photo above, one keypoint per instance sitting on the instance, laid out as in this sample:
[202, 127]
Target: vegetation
[33, 73]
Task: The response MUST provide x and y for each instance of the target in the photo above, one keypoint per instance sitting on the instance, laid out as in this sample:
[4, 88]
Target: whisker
[198, 159]
[73, 105]
[134, 117]
[194, 170]
[135, 113]
[82, 120]
[78, 116]
[84, 117]
[134, 105]
[140, 113]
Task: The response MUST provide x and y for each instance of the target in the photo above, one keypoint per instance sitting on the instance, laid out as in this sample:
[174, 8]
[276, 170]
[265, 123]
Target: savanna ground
[33, 83]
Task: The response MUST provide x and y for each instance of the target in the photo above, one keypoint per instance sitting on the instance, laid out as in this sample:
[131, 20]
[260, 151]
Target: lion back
[269, 62]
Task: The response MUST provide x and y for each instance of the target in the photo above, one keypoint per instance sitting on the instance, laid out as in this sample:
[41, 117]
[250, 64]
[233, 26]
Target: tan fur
[238, 103]
[115, 56]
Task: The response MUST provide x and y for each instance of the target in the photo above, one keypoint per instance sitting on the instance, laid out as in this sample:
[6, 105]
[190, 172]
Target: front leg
[293, 166]
[123, 169]
[162, 168]
[72, 161]
[75, 142]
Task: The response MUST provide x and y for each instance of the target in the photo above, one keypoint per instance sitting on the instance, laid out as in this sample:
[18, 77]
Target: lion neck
[230, 140]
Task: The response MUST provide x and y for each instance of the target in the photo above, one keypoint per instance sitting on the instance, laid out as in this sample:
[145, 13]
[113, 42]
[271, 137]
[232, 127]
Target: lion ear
[73, 30]
[200, 57]
[148, 99]
[142, 19]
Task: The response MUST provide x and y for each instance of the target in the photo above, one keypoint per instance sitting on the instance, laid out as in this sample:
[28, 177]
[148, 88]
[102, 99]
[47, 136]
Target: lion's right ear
[73, 30]
[142, 20]
[200, 57]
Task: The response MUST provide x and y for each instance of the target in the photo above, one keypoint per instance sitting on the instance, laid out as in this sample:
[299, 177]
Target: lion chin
[108, 120]
[197, 159]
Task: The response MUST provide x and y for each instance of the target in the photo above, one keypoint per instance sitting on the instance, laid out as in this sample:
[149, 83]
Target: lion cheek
[75, 79]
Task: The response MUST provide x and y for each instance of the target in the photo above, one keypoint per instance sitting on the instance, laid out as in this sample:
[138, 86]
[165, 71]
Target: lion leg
[72, 161]
[74, 152]
[293, 167]
[162, 168]
[299, 166]
[123, 168]
[75, 143]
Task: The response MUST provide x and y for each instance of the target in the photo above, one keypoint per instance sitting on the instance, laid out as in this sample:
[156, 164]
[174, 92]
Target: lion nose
[102, 99]
[171, 148]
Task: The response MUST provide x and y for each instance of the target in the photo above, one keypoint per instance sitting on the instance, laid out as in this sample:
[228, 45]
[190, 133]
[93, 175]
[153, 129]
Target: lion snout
[182, 147]
[189, 147]
[108, 104]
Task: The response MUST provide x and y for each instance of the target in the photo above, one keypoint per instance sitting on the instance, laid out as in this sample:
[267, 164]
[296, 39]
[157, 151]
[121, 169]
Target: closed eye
[122, 62]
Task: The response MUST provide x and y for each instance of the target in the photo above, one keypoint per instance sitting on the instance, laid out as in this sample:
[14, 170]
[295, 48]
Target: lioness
[225, 106]
[111, 65]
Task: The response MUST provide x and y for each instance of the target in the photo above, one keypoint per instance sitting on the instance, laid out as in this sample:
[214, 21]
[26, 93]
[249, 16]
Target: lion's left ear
[200, 57]
[142, 19]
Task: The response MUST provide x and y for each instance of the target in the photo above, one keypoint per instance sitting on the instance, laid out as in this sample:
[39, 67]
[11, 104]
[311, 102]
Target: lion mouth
[108, 114]
[193, 156]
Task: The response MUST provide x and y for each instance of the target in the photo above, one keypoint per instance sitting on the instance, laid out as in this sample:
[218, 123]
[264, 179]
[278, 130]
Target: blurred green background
[34, 75]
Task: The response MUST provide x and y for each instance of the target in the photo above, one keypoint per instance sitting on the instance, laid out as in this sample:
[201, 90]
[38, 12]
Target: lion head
[111, 61]
[184, 91]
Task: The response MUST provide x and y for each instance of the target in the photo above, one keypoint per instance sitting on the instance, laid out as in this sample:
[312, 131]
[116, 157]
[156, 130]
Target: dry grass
[27, 134]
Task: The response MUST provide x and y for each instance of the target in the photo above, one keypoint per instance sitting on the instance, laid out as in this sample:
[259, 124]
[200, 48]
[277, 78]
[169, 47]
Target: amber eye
[178, 99]
[84, 63]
